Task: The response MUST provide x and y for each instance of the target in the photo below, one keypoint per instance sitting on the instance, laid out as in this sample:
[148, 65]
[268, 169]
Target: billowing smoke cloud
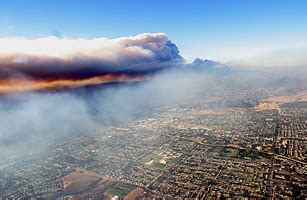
[34, 63]
[49, 113]
[39, 118]
[36, 120]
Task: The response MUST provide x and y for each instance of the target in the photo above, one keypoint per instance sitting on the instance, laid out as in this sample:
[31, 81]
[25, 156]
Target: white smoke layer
[52, 55]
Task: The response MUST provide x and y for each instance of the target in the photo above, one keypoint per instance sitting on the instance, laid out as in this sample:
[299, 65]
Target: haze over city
[106, 99]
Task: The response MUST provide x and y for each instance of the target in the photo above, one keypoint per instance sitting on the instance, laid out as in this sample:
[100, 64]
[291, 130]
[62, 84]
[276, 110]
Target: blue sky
[223, 30]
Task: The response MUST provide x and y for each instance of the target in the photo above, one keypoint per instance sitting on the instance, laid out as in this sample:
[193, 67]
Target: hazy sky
[255, 32]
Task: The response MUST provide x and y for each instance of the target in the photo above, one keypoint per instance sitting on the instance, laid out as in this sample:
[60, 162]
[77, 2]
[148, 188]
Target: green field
[120, 189]
[247, 177]
[150, 157]
[217, 149]
[226, 152]
[159, 165]
[229, 152]
[155, 158]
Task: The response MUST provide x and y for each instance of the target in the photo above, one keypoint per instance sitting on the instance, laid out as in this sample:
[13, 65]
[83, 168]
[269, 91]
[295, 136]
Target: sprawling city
[191, 150]
[124, 100]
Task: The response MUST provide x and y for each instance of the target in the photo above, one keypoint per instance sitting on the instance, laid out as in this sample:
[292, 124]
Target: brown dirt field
[133, 194]
[267, 106]
[301, 96]
[274, 102]
[85, 183]
[77, 179]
